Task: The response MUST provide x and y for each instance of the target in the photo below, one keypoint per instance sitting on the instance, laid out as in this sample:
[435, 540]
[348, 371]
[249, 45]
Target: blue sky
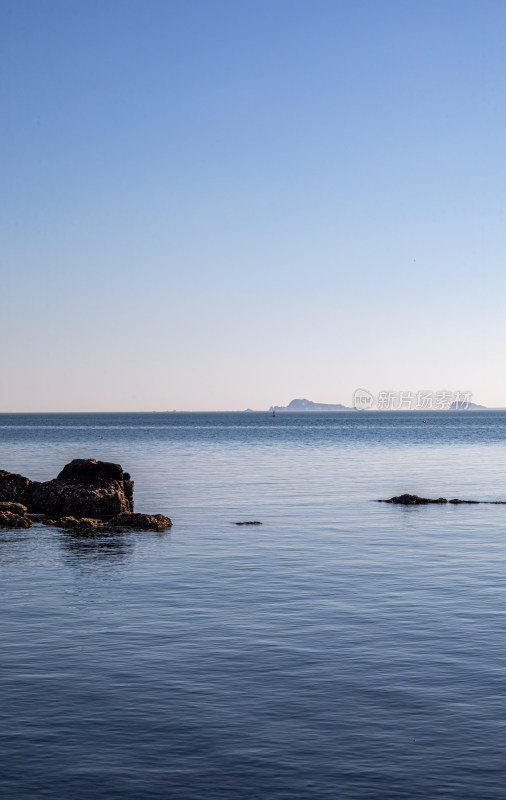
[221, 205]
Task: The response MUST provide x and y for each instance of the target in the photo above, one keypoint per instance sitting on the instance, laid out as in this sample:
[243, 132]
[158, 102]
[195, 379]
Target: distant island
[299, 405]
[308, 405]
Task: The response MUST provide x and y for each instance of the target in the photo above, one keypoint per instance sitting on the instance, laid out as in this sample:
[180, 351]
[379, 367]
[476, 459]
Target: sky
[213, 204]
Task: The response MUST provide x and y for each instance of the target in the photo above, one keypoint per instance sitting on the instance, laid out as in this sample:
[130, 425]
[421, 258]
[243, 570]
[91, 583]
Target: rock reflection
[109, 548]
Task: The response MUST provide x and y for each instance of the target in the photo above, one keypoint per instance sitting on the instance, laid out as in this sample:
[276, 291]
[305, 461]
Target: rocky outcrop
[12, 486]
[10, 520]
[13, 515]
[86, 495]
[84, 488]
[14, 508]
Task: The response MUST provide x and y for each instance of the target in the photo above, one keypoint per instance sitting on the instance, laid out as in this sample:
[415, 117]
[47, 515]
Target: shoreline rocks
[86, 495]
[128, 519]
[131, 519]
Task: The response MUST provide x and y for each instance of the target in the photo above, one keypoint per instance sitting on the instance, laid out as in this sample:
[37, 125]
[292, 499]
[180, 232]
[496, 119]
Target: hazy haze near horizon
[214, 205]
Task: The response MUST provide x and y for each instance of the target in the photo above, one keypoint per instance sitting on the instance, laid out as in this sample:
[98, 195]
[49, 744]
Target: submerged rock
[413, 500]
[455, 501]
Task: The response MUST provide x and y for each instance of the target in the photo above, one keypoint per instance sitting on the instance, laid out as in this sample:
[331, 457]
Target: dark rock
[12, 486]
[10, 520]
[84, 488]
[14, 508]
[249, 522]
[88, 471]
[154, 522]
[127, 519]
[413, 500]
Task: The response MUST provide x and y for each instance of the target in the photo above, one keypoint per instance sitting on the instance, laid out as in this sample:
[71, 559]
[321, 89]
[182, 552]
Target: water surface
[345, 648]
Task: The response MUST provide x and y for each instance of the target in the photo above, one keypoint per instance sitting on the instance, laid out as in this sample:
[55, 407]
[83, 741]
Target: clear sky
[222, 204]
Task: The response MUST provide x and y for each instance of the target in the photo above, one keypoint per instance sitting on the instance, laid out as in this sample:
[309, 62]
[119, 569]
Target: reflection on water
[50, 546]
[95, 548]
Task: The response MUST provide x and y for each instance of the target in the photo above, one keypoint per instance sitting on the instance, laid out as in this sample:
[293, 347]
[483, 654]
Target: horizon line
[267, 410]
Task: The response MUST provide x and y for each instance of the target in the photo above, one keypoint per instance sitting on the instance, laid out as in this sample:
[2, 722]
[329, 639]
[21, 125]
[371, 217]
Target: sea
[344, 648]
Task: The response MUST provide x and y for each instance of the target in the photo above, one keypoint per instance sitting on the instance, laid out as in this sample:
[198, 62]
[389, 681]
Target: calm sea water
[343, 649]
